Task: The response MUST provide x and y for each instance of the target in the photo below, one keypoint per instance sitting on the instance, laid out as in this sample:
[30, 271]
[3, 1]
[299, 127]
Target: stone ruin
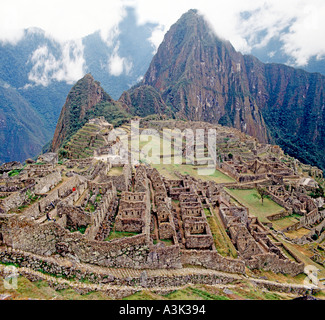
[73, 208]
[254, 242]
[133, 209]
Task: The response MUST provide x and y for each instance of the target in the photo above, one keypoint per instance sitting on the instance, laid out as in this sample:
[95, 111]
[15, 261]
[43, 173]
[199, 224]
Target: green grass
[222, 242]
[115, 171]
[202, 173]
[207, 212]
[81, 229]
[14, 172]
[167, 169]
[40, 290]
[207, 295]
[168, 242]
[285, 222]
[120, 234]
[90, 207]
[98, 197]
[194, 293]
[183, 294]
[248, 198]
[216, 176]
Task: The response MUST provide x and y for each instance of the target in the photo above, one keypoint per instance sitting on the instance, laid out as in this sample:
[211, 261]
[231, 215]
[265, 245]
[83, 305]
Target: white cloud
[268, 19]
[157, 36]
[305, 37]
[64, 20]
[299, 24]
[118, 65]
[69, 67]
[44, 64]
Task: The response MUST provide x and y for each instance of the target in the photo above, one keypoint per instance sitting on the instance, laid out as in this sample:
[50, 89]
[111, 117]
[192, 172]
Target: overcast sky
[72, 19]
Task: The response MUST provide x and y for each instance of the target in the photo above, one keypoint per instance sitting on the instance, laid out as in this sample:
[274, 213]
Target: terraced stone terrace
[85, 141]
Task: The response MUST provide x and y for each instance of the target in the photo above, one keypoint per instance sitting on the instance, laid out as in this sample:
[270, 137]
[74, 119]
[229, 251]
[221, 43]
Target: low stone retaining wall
[58, 272]
[299, 290]
[212, 260]
[273, 263]
[73, 270]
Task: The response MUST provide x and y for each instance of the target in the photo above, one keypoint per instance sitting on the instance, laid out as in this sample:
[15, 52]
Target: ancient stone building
[133, 209]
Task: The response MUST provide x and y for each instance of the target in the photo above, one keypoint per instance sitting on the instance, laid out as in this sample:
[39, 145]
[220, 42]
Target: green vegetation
[249, 198]
[119, 234]
[282, 124]
[319, 192]
[143, 295]
[40, 290]
[203, 173]
[194, 293]
[146, 100]
[14, 172]
[168, 242]
[81, 229]
[112, 112]
[208, 296]
[78, 98]
[22, 120]
[83, 142]
[207, 211]
[98, 197]
[285, 222]
[222, 242]
[261, 194]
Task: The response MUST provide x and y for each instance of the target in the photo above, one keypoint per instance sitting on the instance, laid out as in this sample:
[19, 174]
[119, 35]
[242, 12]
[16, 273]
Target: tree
[261, 194]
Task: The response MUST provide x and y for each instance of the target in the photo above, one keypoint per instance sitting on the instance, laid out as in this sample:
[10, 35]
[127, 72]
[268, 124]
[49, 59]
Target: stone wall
[63, 193]
[278, 200]
[272, 262]
[60, 267]
[76, 217]
[197, 234]
[45, 184]
[213, 260]
[121, 182]
[13, 201]
[49, 238]
[242, 178]
[279, 215]
[102, 209]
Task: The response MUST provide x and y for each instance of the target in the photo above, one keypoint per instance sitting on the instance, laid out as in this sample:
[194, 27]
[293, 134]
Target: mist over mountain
[41, 71]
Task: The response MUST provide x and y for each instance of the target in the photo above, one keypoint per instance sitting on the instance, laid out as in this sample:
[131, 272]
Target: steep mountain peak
[201, 77]
[191, 18]
[83, 96]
